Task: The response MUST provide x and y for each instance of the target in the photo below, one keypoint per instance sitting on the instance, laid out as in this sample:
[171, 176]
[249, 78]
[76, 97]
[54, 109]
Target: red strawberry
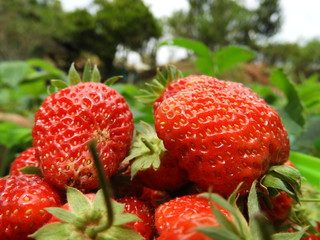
[168, 177]
[155, 197]
[22, 202]
[68, 120]
[144, 211]
[279, 207]
[222, 133]
[26, 158]
[178, 218]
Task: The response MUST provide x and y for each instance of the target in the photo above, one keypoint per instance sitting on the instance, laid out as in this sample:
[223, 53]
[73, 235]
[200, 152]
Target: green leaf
[289, 236]
[205, 59]
[54, 231]
[253, 210]
[86, 75]
[95, 76]
[294, 106]
[120, 233]
[125, 218]
[79, 203]
[12, 134]
[31, 170]
[112, 80]
[231, 55]
[73, 76]
[13, 73]
[63, 214]
[218, 233]
[59, 84]
[46, 66]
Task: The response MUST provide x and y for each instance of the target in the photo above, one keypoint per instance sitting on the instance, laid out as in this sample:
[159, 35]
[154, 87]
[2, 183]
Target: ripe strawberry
[178, 218]
[279, 208]
[22, 202]
[144, 211]
[26, 158]
[222, 133]
[68, 120]
[155, 197]
[152, 165]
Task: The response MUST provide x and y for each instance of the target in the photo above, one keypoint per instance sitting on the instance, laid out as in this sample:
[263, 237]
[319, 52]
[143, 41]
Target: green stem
[106, 189]
[310, 200]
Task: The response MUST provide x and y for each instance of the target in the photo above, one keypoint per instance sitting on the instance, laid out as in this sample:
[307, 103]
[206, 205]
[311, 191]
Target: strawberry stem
[106, 189]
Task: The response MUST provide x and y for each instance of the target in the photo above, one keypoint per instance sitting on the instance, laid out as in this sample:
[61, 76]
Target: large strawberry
[23, 200]
[222, 133]
[72, 117]
[25, 159]
[178, 218]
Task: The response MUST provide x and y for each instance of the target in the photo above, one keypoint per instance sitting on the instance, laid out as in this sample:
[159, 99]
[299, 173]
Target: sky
[301, 18]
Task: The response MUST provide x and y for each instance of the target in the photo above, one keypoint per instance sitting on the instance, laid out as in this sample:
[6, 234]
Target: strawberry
[279, 208]
[152, 165]
[68, 120]
[23, 200]
[222, 133]
[144, 211]
[178, 218]
[26, 158]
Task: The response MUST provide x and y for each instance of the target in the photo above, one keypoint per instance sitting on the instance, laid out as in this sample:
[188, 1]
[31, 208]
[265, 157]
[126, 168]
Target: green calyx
[282, 178]
[90, 74]
[86, 220]
[146, 150]
[157, 85]
[254, 227]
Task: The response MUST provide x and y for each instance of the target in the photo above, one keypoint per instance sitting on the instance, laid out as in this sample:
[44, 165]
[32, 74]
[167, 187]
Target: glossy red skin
[222, 135]
[26, 158]
[68, 120]
[177, 218]
[144, 211]
[22, 202]
[168, 177]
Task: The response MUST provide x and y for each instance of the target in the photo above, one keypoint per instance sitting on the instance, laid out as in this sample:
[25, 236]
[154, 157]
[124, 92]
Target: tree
[219, 23]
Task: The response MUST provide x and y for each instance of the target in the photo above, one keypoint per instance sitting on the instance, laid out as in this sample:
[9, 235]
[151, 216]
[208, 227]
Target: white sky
[301, 18]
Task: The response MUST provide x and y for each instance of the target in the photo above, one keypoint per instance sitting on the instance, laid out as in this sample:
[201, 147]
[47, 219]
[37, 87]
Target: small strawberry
[23, 200]
[222, 133]
[278, 208]
[26, 158]
[152, 165]
[144, 211]
[178, 218]
[72, 117]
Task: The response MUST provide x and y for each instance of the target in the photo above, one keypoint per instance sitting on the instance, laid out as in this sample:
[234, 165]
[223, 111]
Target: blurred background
[272, 46]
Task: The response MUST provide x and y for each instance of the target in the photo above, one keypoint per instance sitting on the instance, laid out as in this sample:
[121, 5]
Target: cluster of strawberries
[208, 135]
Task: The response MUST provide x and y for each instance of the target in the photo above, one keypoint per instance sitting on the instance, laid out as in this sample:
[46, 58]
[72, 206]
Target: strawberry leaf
[156, 87]
[55, 231]
[95, 75]
[289, 236]
[120, 233]
[59, 84]
[112, 80]
[79, 204]
[218, 233]
[86, 75]
[125, 218]
[31, 170]
[63, 214]
[73, 76]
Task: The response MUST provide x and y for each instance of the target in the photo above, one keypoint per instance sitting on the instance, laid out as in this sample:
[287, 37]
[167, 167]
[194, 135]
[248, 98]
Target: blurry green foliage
[218, 23]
